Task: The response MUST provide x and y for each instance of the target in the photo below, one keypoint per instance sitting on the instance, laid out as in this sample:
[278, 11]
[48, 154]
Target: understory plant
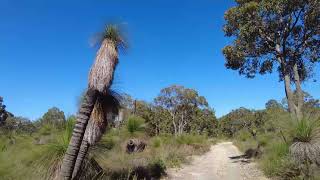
[305, 149]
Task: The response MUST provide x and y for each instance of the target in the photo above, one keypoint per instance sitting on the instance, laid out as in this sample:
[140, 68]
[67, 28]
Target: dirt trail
[216, 165]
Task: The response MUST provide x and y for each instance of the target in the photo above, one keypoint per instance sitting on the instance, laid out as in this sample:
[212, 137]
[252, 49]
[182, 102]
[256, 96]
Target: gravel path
[216, 165]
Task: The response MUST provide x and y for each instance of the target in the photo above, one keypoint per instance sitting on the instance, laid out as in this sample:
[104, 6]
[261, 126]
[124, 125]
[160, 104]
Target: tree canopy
[54, 116]
[273, 104]
[184, 106]
[282, 35]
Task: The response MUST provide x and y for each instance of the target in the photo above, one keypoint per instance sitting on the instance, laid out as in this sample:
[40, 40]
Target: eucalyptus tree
[180, 103]
[268, 35]
[54, 116]
[272, 104]
[100, 79]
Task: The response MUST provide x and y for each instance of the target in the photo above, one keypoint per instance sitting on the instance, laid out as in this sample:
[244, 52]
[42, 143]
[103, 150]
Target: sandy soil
[216, 165]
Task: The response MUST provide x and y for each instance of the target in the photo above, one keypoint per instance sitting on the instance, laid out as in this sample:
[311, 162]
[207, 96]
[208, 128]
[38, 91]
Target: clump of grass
[53, 153]
[304, 131]
[156, 142]
[276, 159]
[16, 160]
[135, 124]
[107, 143]
[243, 135]
[46, 129]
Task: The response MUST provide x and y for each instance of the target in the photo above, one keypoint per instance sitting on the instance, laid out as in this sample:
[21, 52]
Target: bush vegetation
[277, 133]
[43, 150]
[40, 145]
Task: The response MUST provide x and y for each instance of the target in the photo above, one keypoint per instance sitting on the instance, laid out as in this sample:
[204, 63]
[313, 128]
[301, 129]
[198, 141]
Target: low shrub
[243, 135]
[134, 124]
[156, 142]
[157, 168]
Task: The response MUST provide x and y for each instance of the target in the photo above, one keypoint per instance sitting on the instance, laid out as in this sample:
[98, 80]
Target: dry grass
[161, 152]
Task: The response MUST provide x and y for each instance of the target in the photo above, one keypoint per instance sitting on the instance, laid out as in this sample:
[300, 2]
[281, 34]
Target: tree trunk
[299, 92]
[289, 95]
[287, 81]
[174, 124]
[78, 133]
[81, 155]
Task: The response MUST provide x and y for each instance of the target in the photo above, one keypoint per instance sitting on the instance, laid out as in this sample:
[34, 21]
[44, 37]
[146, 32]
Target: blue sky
[45, 54]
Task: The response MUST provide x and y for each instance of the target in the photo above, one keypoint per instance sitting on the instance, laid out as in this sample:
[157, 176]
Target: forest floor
[216, 165]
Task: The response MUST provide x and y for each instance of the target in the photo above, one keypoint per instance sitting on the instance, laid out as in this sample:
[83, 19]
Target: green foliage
[18, 125]
[46, 129]
[67, 133]
[107, 142]
[179, 105]
[304, 130]
[243, 135]
[276, 160]
[135, 124]
[156, 142]
[54, 151]
[54, 117]
[273, 104]
[305, 149]
[275, 134]
[18, 157]
[236, 120]
[161, 152]
[112, 33]
[175, 104]
[263, 33]
[157, 168]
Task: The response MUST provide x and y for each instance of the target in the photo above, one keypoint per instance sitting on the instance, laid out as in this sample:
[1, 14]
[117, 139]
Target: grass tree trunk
[81, 155]
[78, 133]
[105, 107]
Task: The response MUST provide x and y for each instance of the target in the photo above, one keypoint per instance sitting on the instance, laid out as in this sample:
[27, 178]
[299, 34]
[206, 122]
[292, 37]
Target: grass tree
[305, 148]
[100, 80]
[106, 106]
